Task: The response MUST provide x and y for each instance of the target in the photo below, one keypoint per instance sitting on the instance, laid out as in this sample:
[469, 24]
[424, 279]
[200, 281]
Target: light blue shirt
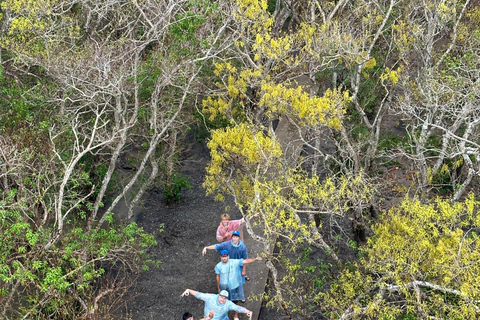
[221, 310]
[230, 273]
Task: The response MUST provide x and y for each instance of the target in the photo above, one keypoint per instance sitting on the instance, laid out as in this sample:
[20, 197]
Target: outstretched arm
[247, 261]
[189, 291]
[212, 247]
[240, 309]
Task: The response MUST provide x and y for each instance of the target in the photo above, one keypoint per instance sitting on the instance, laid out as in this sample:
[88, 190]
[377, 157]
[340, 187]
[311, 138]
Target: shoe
[236, 319]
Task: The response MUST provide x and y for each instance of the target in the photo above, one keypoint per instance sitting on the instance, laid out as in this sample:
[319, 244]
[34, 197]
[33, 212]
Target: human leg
[237, 297]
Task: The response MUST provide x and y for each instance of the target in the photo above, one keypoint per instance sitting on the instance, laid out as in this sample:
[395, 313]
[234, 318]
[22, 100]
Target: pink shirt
[232, 226]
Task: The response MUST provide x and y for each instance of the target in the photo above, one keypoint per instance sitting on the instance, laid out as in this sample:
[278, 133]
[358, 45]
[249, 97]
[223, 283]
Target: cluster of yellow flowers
[391, 75]
[310, 110]
[237, 148]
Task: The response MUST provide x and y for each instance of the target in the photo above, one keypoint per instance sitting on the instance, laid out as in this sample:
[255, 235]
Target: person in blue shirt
[235, 247]
[229, 277]
[218, 303]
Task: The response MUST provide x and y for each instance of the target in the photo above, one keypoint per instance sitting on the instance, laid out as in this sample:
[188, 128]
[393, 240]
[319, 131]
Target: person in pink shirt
[227, 226]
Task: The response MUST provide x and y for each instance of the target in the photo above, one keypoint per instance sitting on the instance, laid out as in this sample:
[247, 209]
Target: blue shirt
[238, 251]
[230, 273]
[221, 310]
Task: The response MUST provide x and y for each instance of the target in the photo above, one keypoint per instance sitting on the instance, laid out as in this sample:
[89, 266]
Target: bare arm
[210, 315]
[247, 261]
[245, 256]
[218, 282]
[240, 309]
[212, 247]
[188, 292]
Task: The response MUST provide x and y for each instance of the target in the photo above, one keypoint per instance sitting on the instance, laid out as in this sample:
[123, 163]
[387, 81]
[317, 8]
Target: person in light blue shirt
[218, 303]
[229, 276]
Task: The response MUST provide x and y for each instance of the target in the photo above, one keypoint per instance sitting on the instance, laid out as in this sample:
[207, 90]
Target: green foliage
[442, 180]
[172, 191]
[303, 271]
[371, 89]
[186, 26]
[21, 115]
[147, 76]
[271, 6]
[100, 76]
[184, 32]
[201, 132]
[390, 142]
[78, 263]
[259, 53]
[307, 275]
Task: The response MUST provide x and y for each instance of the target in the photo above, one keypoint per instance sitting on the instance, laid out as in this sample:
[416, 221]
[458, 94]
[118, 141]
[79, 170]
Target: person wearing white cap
[219, 303]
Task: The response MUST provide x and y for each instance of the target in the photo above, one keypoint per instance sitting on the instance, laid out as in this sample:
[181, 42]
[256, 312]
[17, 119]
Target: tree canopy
[306, 104]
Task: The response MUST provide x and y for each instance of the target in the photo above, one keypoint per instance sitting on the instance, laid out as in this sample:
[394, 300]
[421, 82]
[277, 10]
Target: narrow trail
[188, 226]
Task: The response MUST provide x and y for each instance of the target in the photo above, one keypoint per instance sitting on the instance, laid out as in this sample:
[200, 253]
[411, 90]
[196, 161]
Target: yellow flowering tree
[258, 164]
[280, 204]
[317, 80]
[422, 262]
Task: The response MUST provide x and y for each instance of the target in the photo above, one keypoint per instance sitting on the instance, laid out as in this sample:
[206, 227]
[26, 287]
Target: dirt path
[188, 227]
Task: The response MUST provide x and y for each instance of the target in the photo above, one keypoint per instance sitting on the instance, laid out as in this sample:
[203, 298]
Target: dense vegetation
[97, 95]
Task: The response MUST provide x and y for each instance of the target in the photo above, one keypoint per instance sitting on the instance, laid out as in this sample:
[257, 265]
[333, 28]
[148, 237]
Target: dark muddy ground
[188, 226]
